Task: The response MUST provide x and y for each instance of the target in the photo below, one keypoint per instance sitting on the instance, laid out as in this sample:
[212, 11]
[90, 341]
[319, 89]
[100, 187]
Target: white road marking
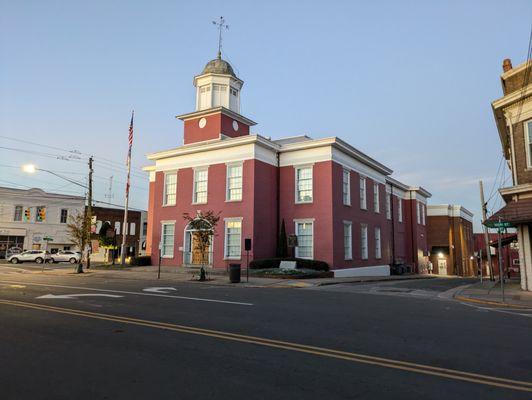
[134, 293]
[509, 310]
[164, 290]
[75, 296]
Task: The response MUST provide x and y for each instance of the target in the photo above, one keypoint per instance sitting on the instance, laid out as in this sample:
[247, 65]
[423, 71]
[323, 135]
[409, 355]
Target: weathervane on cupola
[217, 115]
[220, 25]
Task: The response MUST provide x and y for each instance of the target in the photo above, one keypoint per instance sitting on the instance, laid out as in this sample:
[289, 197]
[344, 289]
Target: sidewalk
[215, 277]
[489, 293]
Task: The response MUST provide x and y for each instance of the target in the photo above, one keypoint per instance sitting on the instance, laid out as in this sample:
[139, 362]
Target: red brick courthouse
[343, 205]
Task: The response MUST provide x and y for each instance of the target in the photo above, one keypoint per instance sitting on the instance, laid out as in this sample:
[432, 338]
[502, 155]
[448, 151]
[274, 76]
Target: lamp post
[31, 169]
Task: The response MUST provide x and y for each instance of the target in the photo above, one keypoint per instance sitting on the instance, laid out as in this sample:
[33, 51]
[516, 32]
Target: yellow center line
[320, 351]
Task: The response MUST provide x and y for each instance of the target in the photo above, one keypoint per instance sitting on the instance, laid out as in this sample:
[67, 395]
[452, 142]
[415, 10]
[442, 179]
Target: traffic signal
[27, 214]
[41, 214]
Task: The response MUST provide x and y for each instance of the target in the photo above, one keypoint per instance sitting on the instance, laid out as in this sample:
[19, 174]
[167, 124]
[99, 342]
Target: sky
[410, 83]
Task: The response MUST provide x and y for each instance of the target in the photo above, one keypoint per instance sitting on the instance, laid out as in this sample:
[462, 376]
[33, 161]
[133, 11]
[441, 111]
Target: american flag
[131, 131]
[128, 162]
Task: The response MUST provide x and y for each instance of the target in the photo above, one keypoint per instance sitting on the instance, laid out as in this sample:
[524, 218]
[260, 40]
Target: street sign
[48, 239]
[498, 224]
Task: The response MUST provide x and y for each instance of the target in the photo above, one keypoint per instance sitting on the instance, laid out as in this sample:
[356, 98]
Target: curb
[374, 280]
[491, 303]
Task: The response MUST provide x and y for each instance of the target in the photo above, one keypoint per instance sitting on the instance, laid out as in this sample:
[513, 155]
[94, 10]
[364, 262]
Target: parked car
[65, 256]
[13, 250]
[36, 256]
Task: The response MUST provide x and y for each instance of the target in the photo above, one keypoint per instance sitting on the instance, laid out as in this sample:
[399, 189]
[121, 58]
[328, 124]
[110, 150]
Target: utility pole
[499, 251]
[485, 229]
[89, 215]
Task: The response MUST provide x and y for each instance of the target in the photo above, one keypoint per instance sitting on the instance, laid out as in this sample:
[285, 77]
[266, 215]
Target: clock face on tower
[202, 123]
[235, 125]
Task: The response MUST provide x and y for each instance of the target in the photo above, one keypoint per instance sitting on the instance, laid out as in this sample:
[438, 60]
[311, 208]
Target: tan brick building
[450, 240]
[513, 115]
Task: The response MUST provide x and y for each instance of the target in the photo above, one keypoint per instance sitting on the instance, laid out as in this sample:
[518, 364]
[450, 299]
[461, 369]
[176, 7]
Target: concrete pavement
[490, 293]
[172, 339]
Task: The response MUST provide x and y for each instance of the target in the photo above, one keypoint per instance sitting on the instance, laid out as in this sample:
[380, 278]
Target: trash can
[234, 273]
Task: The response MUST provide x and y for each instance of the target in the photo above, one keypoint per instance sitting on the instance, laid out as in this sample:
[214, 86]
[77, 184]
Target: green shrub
[301, 263]
[141, 261]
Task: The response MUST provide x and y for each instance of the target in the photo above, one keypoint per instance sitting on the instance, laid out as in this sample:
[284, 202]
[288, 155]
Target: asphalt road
[199, 341]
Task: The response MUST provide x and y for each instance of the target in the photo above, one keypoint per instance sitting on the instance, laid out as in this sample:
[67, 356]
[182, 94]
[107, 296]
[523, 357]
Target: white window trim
[350, 224]
[348, 202]
[362, 255]
[306, 221]
[527, 144]
[376, 198]
[418, 212]
[232, 219]
[161, 239]
[194, 184]
[296, 168]
[399, 209]
[363, 206]
[227, 166]
[164, 188]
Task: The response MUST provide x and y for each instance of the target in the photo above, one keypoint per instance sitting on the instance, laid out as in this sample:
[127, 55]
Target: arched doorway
[192, 252]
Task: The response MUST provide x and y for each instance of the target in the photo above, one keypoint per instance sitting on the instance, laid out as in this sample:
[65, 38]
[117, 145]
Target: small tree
[282, 245]
[77, 233]
[106, 238]
[204, 226]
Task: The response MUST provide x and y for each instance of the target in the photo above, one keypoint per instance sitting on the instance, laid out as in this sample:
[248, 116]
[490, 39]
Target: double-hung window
[219, 95]
[233, 238]
[363, 203]
[234, 182]
[167, 239]
[305, 239]
[304, 184]
[400, 209]
[418, 212]
[388, 206]
[204, 97]
[170, 189]
[64, 216]
[18, 214]
[201, 177]
[378, 251]
[422, 214]
[528, 143]
[376, 199]
[348, 240]
[364, 241]
[132, 228]
[346, 187]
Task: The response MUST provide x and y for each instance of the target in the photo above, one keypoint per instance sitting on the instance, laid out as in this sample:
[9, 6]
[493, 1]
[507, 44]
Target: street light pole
[89, 214]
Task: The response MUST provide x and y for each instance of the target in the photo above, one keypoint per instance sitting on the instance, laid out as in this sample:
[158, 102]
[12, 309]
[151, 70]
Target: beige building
[32, 219]
[513, 115]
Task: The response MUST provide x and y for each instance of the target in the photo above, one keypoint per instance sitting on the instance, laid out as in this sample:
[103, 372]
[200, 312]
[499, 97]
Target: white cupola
[218, 86]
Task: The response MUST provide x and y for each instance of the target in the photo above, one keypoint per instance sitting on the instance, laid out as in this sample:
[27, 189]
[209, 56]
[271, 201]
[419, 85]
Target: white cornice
[515, 70]
[449, 210]
[216, 145]
[526, 187]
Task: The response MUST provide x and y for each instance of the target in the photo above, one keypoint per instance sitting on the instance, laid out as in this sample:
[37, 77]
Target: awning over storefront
[505, 240]
[515, 213]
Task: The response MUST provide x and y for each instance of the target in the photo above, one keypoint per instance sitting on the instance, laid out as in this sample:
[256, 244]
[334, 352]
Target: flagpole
[124, 224]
